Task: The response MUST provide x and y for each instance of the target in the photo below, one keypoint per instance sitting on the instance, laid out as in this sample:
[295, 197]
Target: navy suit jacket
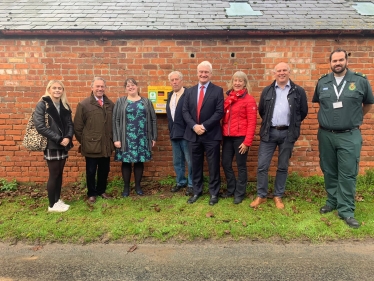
[178, 126]
[210, 114]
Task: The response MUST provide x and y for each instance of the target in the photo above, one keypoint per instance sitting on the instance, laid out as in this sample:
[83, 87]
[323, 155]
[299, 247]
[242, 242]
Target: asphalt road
[191, 261]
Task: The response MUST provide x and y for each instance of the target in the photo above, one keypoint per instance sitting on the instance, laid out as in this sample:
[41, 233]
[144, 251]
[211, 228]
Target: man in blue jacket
[177, 127]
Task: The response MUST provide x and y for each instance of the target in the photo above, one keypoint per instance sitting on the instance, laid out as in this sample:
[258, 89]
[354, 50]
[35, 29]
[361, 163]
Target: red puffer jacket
[240, 119]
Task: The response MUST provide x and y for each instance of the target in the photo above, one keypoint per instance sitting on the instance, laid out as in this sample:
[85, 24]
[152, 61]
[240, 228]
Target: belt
[339, 131]
[280, 128]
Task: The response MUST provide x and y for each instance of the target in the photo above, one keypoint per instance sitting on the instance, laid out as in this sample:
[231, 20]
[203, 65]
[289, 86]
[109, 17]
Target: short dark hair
[339, 50]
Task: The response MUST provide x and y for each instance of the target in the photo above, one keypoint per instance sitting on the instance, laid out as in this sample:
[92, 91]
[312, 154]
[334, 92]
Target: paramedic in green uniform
[344, 97]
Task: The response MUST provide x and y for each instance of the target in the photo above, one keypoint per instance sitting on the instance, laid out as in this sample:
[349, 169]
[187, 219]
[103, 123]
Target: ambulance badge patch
[352, 86]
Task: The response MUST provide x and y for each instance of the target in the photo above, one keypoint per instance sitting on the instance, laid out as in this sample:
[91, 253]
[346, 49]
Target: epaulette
[323, 75]
[360, 74]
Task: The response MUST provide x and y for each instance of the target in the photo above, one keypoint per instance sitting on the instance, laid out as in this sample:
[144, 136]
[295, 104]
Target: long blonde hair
[63, 98]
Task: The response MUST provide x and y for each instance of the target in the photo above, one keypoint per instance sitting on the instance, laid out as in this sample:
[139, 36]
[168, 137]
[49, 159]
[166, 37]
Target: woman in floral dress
[134, 134]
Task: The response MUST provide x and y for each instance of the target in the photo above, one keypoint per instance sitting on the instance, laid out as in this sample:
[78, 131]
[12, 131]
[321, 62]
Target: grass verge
[164, 216]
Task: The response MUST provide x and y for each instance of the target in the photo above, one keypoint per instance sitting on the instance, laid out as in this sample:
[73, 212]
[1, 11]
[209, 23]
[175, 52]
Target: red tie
[200, 102]
[100, 102]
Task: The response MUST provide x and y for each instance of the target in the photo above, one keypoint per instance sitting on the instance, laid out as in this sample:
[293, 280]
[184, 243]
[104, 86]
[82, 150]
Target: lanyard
[341, 90]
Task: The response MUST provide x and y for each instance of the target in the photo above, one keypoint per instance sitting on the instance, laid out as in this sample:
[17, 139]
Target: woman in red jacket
[238, 128]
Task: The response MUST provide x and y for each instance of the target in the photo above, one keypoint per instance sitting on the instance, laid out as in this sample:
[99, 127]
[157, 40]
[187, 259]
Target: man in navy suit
[202, 111]
[177, 127]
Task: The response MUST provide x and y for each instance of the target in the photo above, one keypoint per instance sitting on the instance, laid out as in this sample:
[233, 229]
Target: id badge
[337, 104]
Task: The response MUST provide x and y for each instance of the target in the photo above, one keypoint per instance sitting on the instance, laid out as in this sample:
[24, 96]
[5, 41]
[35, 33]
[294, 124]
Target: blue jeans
[265, 154]
[181, 155]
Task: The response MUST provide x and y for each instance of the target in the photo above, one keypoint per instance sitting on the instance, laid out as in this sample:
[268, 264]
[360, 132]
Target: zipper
[229, 123]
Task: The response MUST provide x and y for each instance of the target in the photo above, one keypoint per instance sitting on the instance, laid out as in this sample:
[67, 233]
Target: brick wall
[26, 66]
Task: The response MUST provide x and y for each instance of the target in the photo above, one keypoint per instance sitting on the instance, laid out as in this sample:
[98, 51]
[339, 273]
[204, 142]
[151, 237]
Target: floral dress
[136, 138]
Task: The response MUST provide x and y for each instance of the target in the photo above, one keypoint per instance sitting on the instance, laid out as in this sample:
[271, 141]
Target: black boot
[139, 191]
[126, 191]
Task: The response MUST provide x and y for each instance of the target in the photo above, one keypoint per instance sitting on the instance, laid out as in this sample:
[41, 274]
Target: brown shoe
[92, 199]
[278, 202]
[105, 196]
[258, 201]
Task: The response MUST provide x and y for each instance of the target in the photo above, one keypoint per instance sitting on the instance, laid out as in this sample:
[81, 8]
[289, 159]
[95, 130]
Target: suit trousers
[212, 151]
[102, 166]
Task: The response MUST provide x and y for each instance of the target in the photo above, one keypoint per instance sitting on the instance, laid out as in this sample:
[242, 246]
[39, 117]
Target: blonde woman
[238, 129]
[59, 134]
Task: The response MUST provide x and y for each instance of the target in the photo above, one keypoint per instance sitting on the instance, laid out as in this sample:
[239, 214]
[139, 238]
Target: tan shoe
[258, 201]
[278, 202]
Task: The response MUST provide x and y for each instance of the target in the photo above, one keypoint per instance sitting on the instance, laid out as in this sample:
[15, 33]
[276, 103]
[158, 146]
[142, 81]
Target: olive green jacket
[93, 127]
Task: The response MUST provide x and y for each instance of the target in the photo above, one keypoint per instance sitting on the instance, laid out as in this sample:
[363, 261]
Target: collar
[206, 85]
[347, 76]
[96, 98]
[180, 92]
[288, 84]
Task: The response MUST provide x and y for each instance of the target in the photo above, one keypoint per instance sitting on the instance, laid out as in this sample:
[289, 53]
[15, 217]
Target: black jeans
[102, 166]
[230, 148]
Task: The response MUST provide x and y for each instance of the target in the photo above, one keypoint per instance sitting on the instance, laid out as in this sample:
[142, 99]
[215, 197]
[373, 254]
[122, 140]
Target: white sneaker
[62, 203]
[57, 208]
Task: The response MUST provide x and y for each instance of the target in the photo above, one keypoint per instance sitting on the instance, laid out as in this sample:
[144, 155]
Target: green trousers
[339, 161]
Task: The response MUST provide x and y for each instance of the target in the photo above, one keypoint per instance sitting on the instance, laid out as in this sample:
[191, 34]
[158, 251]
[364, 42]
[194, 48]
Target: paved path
[191, 261]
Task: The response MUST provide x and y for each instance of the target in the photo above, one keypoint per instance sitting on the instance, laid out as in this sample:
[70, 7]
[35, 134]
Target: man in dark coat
[93, 130]
[283, 106]
[202, 111]
[177, 127]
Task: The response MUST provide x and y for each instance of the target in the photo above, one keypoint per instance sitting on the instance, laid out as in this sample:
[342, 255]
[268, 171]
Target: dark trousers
[211, 149]
[265, 154]
[230, 148]
[102, 166]
[339, 155]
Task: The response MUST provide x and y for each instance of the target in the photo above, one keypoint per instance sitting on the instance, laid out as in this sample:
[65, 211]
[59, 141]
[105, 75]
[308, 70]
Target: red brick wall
[26, 66]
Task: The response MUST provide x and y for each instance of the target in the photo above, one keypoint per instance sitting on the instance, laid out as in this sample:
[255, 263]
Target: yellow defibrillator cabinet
[158, 96]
